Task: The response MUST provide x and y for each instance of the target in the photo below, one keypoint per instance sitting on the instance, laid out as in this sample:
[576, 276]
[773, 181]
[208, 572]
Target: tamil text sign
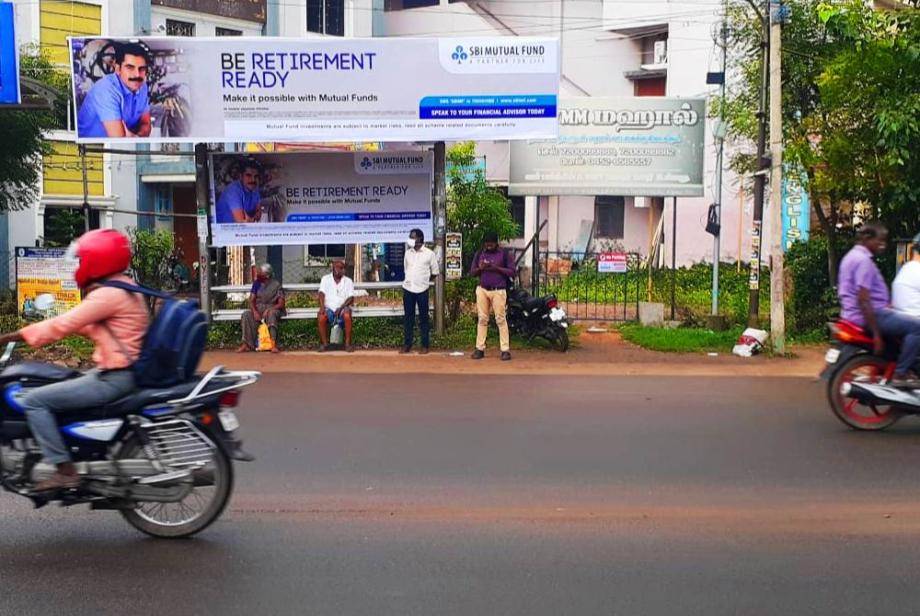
[174, 89]
[320, 198]
[616, 146]
[41, 271]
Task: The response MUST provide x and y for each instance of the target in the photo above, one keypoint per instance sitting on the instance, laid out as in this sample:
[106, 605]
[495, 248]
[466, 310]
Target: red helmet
[99, 253]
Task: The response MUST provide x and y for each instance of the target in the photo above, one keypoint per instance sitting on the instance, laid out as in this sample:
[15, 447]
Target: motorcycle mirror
[7, 353]
[45, 301]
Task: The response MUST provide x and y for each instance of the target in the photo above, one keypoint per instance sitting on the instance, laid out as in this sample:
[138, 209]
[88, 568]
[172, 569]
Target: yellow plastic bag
[265, 338]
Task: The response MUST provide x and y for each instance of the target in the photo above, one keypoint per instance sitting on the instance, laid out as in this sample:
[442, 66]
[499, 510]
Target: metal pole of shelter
[202, 199]
[674, 259]
[440, 230]
[535, 254]
[716, 248]
[82, 151]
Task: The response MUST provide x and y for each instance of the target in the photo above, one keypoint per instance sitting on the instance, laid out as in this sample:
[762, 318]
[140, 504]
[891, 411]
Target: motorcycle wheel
[198, 510]
[851, 411]
[559, 337]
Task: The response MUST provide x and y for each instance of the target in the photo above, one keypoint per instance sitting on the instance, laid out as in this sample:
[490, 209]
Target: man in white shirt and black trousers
[421, 265]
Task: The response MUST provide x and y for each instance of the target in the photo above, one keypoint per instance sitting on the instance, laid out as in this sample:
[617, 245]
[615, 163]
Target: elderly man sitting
[336, 296]
[266, 303]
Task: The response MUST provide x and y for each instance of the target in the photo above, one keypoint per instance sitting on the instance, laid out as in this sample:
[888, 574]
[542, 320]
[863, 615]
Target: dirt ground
[595, 354]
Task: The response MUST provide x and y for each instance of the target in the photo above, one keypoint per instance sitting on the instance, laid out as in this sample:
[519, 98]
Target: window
[218, 31]
[517, 212]
[64, 224]
[326, 251]
[609, 216]
[174, 27]
[326, 17]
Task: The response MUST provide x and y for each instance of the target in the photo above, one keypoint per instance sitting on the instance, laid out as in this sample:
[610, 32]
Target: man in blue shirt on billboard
[118, 105]
[241, 201]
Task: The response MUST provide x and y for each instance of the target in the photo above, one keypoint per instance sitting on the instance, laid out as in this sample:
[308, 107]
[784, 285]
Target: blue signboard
[9, 59]
[796, 212]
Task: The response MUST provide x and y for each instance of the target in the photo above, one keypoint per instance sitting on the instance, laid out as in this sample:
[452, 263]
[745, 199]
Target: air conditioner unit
[660, 52]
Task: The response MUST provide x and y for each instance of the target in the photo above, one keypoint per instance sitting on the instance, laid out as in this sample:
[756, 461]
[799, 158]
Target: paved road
[400, 494]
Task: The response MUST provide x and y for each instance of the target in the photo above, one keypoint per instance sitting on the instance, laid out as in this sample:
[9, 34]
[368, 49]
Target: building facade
[609, 48]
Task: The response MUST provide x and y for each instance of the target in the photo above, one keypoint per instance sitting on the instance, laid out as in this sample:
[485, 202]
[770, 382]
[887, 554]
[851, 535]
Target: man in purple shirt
[865, 301]
[495, 268]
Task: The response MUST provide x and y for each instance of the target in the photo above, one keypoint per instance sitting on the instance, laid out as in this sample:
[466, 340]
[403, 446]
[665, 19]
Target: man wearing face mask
[421, 265]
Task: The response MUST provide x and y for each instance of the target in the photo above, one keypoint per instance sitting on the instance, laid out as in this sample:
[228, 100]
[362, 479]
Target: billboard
[9, 57]
[225, 89]
[796, 211]
[645, 147]
[40, 271]
[320, 198]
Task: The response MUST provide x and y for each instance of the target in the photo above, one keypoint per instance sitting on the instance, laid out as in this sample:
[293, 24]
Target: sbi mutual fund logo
[503, 54]
[459, 56]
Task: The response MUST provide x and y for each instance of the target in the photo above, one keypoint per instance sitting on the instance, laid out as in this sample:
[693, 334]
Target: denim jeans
[410, 302]
[900, 325]
[93, 389]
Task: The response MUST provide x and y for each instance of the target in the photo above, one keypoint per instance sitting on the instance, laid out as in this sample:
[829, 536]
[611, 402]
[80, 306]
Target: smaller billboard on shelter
[9, 57]
[320, 198]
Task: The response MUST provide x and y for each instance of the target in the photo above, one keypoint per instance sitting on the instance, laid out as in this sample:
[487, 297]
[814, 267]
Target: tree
[474, 208]
[873, 86]
[22, 134]
[844, 111]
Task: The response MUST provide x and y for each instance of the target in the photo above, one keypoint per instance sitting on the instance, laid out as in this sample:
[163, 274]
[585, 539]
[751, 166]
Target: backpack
[174, 342]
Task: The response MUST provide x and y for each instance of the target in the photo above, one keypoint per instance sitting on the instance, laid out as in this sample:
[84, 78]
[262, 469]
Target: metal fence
[583, 291]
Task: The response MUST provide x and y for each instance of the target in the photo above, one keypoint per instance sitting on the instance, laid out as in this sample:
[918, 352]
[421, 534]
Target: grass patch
[681, 339]
[376, 333]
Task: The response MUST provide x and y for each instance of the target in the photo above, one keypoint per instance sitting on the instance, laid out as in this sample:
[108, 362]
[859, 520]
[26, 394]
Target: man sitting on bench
[336, 296]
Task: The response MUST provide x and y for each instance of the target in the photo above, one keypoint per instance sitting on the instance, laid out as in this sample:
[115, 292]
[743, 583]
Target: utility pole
[440, 230]
[759, 181]
[720, 135]
[777, 291]
[82, 151]
[202, 197]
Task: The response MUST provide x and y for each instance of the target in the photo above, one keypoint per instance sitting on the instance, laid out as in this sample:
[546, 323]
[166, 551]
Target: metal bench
[234, 314]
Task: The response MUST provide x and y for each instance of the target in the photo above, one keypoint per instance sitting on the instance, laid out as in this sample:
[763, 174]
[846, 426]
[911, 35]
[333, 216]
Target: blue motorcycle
[163, 458]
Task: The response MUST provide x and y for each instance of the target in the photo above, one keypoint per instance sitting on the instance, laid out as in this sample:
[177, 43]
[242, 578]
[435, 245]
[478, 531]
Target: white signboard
[320, 198]
[639, 146]
[175, 89]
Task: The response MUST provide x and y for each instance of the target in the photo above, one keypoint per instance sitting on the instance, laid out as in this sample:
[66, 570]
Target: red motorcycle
[857, 380]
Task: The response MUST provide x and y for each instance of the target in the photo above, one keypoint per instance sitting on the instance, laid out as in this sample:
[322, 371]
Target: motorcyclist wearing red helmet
[114, 320]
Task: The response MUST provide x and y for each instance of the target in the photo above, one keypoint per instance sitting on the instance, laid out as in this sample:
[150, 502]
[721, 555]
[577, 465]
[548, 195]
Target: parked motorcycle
[162, 458]
[857, 378]
[533, 317]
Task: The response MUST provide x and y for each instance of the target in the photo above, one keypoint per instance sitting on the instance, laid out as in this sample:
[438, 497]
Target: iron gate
[584, 291]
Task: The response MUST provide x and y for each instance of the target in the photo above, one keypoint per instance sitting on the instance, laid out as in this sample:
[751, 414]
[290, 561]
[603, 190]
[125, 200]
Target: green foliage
[811, 299]
[21, 133]
[850, 107]
[155, 256]
[473, 206]
[681, 339]
[374, 332]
